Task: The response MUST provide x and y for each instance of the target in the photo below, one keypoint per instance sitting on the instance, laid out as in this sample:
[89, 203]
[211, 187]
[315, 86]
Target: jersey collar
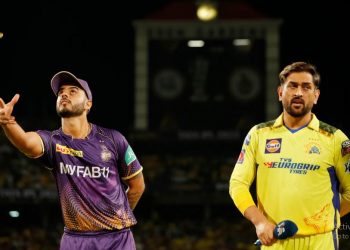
[313, 124]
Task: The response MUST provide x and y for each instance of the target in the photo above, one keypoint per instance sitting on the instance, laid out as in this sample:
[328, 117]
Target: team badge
[273, 146]
[312, 148]
[106, 155]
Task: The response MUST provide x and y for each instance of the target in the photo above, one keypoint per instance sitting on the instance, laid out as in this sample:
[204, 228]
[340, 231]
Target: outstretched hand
[6, 110]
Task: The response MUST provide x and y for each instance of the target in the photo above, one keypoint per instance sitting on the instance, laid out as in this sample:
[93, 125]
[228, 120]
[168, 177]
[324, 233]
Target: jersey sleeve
[129, 164]
[244, 173]
[342, 164]
[47, 152]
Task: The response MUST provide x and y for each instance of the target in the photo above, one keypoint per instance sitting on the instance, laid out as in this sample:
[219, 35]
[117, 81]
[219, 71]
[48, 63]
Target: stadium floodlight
[206, 10]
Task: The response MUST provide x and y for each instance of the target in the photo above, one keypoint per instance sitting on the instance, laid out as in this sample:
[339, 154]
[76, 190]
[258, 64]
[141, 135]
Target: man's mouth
[64, 101]
[297, 101]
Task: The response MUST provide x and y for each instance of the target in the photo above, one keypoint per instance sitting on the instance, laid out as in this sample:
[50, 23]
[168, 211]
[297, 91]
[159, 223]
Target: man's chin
[68, 114]
[64, 114]
[297, 113]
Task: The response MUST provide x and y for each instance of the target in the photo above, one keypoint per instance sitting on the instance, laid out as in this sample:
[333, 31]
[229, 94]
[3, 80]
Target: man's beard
[297, 113]
[77, 110]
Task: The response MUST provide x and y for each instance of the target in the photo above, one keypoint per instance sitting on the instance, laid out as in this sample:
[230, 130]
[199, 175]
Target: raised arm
[28, 143]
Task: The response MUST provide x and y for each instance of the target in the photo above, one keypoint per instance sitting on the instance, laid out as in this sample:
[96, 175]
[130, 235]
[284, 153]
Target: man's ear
[88, 104]
[317, 95]
[279, 92]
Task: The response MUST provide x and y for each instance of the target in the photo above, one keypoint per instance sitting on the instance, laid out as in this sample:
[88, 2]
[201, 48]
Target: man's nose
[299, 91]
[63, 94]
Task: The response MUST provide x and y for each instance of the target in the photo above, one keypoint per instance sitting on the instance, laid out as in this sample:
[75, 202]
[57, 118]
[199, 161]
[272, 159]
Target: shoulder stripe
[265, 124]
[327, 128]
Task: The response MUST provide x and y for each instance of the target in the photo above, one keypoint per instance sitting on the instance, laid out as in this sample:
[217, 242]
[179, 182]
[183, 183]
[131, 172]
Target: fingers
[267, 241]
[14, 99]
[5, 121]
[12, 102]
[6, 109]
[264, 232]
[2, 103]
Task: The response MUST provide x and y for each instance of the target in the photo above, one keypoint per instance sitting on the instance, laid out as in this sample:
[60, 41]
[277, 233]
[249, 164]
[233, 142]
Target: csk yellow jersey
[300, 175]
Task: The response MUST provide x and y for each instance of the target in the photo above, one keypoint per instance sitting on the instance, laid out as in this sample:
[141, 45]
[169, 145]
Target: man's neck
[76, 127]
[293, 122]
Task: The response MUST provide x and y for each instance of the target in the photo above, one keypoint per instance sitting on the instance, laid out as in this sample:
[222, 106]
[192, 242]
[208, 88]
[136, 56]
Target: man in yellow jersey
[302, 169]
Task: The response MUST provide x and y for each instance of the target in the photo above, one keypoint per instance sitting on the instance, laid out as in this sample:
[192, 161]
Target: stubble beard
[77, 110]
[297, 112]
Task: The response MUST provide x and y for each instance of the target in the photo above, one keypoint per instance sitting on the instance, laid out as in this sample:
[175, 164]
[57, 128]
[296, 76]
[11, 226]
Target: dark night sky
[95, 41]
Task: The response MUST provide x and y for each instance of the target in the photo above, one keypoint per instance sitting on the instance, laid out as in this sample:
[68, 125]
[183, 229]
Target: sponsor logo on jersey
[84, 171]
[294, 167]
[129, 156]
[68, 151]
[273, 146]
[345, 147]
[241, 157]
[347, 167]
[247, 140]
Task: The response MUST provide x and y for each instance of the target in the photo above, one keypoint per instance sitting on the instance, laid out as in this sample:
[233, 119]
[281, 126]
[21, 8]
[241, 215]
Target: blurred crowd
[186, 205]
[163, 172]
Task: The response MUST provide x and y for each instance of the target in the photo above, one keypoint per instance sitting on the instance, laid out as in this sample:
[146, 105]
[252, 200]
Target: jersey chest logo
[273, 146]
[106, 155]
[68, 151]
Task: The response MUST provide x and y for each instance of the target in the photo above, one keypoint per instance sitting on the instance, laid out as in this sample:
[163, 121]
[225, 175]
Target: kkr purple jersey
[89, 174]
